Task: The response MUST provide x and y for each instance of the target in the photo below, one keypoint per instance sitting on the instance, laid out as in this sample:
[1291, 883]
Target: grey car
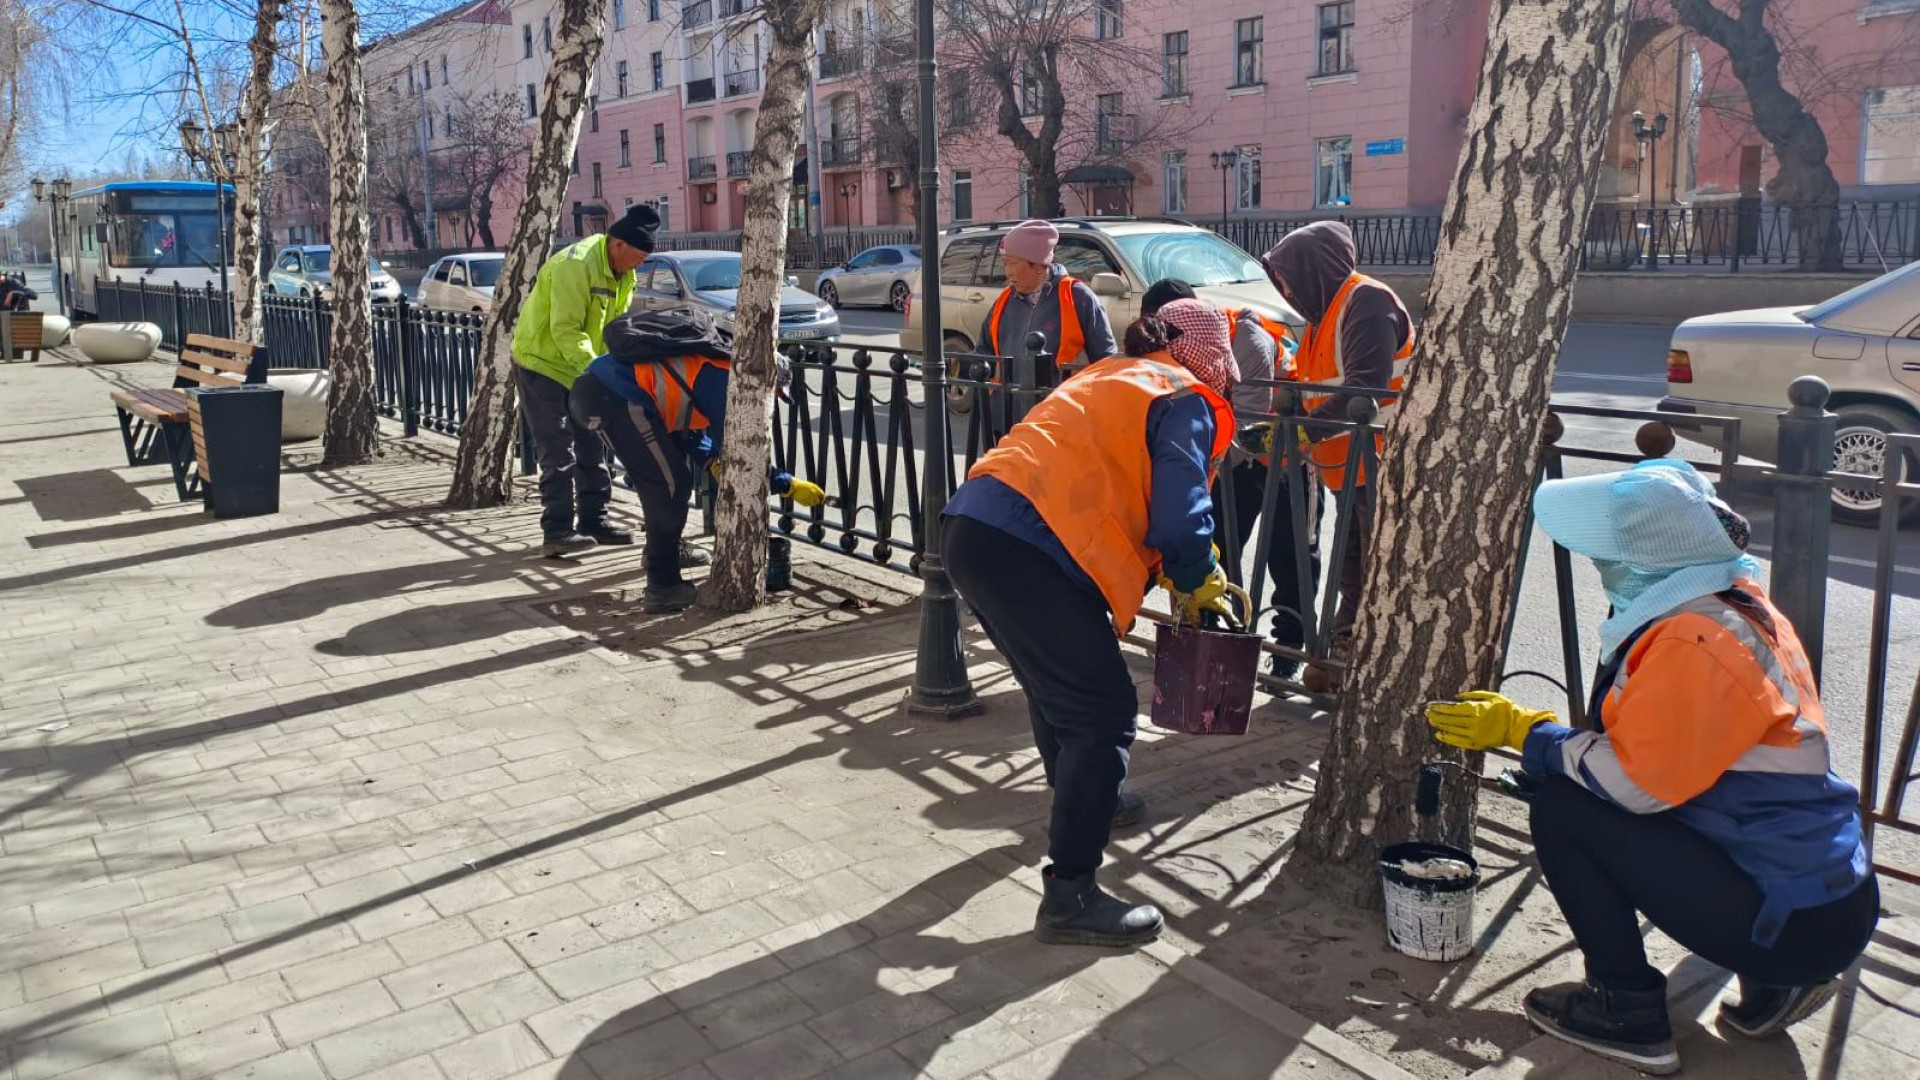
[711, 279]
[308, 271]
[880, 276]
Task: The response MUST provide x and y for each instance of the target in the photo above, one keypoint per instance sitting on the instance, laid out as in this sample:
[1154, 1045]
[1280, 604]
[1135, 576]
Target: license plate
[804, 335]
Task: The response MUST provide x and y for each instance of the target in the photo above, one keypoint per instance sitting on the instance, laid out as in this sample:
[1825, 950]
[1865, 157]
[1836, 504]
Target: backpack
[651, 337]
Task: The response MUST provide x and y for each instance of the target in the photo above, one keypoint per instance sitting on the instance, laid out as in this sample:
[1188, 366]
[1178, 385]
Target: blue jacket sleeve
[1094, 325]
[1540, 755]
[710, 397]
[1180, 506]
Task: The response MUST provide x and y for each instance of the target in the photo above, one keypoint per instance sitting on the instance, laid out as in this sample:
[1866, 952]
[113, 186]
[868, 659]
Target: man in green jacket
[560, 330]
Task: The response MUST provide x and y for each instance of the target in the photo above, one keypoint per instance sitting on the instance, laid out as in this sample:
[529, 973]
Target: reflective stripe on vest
[1319, 361]
[1081, 458]
[670, 384]
[1280, 332]
[1073, 342]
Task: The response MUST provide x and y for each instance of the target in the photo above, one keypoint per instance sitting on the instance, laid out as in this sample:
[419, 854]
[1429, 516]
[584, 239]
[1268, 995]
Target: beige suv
[1117, 257]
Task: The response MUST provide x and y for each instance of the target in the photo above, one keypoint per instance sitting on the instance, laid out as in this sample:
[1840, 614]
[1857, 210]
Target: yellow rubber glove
[807, 493]
[1210, 595]
[1482, 720]
[713, 470]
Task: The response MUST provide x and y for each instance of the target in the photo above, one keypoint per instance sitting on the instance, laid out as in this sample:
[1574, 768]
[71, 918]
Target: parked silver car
[1865, 343]
[711, 279]
[308, 271]
[881, 276]
[462, 282]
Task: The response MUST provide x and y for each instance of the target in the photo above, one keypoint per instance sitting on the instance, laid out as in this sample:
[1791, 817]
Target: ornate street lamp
[1224, 162]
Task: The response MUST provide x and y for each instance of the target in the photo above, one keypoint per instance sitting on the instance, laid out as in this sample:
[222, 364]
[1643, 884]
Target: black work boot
[567, 543]
[1131, 810]
[1627, 1026]
[669, 598]
[1075, 911]
[1767, 1010]
[606, 533]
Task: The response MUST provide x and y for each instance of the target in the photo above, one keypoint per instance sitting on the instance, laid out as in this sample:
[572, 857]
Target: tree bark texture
[353, 429]
[1457, 476]
[1803, 182]
[487, 437]
[738, 581]
[256, 106]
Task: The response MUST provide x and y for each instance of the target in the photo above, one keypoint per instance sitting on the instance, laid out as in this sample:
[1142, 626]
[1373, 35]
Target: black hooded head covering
[636, 227]
[1313, 261]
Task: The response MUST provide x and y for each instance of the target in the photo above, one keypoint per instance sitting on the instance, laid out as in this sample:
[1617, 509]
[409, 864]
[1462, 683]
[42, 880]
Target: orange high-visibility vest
[1081, 458]
[674, 396]
[1072, 343]
[1280, 332]
[1319, 361]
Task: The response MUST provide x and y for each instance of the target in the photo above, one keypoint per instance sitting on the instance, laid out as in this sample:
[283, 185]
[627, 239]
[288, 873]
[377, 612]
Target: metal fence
[804, 252]
[178, 312]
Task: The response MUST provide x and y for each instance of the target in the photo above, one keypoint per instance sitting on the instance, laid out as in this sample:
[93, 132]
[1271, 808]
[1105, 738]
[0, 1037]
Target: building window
[448, 113]
[959, 100]
[428, 118]
[1246, 179]
[1336, 38]
[659, 62]
[659, 144]
[574, 167]
[1110, 119]
[426, 75]
[1107, 21]
[1333, 172]
[533, 102]
[389, 224]
[1030, 93]
[1890, 136]
[619, 14]
[963, 195]
[546, 33]
[1026, 193]
[596, 179]
[1173, 182]
[593, 112]
[444, 81]
[526, 42]
[1249, 62]
[626, 150]
[660, 205]
[620, 79]
[1173, 65]
[653, 15]
[412, 86]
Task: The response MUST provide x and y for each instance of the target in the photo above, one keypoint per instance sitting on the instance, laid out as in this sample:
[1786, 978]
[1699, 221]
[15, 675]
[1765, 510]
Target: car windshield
[711, 275]
[485, 272]
[1197, 258]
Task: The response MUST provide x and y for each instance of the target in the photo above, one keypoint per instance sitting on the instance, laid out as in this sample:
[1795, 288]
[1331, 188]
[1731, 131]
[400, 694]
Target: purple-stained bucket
[1203, 679]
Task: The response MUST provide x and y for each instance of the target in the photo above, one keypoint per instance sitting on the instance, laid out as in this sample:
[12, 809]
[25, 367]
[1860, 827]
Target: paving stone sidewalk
[360, 790]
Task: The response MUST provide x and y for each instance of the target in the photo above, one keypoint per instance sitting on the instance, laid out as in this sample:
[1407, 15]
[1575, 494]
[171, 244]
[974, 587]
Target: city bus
[162, 232]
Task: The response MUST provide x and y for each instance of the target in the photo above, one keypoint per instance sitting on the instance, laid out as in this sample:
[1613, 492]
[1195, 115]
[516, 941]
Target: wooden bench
[156, 425]
[20, 334]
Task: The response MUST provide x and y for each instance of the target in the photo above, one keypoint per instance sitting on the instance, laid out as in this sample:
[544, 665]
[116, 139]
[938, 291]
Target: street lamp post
[53, 195]
[847, 191]
[1648, 136]
[1224, 162]
[216, 155]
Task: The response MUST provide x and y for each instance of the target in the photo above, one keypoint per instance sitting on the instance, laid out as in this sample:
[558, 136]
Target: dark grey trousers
[573, 461]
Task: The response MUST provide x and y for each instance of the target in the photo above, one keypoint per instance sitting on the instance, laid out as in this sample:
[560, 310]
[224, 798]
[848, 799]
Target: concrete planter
[117, 343]
[303, 413]
[53, 330]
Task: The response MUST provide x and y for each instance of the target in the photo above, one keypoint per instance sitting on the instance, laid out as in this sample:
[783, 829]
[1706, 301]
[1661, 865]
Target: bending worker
[1041, 297]
[658, 400]
[1053, 541]
[1358, 335]
[1704, 799]
[560, 330]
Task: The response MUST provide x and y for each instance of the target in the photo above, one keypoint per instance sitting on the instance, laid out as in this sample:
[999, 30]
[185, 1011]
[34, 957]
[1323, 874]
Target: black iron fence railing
[697, 13]
[739, 163]
[177, 311]
[843, 61]
[701, 168]
[700, 90]
[742, 82]
[803, 251]
[844, 150]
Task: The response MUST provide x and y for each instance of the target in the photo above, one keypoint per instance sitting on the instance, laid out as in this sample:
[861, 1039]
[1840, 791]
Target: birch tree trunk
[249, 171]
[353, 430]
[480, 474]
[739, 575]
[1458, 471]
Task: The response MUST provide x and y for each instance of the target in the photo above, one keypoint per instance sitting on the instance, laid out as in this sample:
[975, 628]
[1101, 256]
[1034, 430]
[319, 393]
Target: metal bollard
[1803, 519]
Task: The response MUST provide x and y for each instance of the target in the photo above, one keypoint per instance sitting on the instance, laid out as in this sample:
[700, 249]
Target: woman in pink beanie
[1041, 297]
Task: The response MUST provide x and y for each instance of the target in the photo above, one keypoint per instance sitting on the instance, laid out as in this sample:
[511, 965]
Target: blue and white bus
[162, 232]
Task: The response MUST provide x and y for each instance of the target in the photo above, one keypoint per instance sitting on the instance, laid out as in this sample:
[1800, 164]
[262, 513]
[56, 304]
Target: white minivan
[462, 282]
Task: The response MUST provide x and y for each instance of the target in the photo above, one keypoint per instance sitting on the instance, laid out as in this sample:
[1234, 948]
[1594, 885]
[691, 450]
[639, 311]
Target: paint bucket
[779, 564]
[1203, 679]
[1428, 918]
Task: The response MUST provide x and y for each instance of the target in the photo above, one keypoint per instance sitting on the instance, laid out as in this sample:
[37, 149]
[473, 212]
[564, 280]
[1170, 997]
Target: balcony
[742, 82]
[730, 8]
[895, 49]
[701, 168]
[842, 62]
[844, 150]
[699, 13]
[700, 90]
[739, 163]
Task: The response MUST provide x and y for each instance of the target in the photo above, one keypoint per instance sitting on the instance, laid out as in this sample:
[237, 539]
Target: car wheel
[829, 295]
[898, 296]
[959, 398]
[1860, 447]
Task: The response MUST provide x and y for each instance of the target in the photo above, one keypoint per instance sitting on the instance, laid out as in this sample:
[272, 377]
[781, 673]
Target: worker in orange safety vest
[1041, 297]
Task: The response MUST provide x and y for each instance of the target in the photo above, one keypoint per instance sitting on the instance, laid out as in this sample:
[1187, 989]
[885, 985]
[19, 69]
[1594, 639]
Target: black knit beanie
[636, 227]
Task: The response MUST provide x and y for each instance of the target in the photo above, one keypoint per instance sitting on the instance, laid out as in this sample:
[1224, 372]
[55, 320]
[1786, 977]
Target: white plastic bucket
[1428, 919]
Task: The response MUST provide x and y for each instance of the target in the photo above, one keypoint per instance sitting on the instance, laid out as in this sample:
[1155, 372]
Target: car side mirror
[793, 280]
[1111, 285]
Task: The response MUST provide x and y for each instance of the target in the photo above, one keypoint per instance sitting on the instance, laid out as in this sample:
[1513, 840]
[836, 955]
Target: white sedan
[462, 282]
[1865, 343]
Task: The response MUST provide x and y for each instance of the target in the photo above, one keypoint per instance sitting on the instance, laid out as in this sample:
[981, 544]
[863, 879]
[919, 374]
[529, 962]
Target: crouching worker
[1704, 800]
[1053, 542]
[658, 400]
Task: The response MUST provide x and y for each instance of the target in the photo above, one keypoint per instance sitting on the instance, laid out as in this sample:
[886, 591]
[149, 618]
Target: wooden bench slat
[219, 344]
[205, 378]
[202, 359]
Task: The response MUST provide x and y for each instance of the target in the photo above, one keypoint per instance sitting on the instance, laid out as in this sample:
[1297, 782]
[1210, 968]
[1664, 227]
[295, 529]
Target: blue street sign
[1386, 147]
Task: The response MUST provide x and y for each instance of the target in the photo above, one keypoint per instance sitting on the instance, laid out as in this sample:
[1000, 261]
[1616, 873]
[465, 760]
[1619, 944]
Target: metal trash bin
[236, 448]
